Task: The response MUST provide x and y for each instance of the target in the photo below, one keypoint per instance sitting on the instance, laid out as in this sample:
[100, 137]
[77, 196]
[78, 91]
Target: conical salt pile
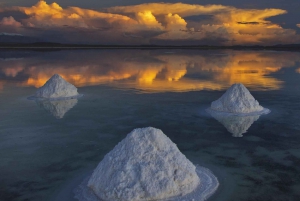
[237, 99]
[146, 165]
[56, 87]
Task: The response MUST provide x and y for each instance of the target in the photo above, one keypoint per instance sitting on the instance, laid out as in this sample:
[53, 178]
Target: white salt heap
[237, 99]
[146, 165]
[56, 87]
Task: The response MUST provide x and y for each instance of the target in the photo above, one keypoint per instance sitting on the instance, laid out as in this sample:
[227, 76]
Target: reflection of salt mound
[237, 99]
[237, 125]
[56, 87]
[146, 165]
[58, 108]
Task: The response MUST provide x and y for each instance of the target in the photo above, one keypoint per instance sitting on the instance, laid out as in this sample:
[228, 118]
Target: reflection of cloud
[182, 86]
[250, 67]
[237, 125]
[153, 72]
[58, 108]
[228, 25]
[238, 67]
[13, 72]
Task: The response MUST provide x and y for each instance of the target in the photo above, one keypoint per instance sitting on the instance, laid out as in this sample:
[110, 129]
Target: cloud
[43, 14]
[152, 23]
[10, 21]
[228, 24]
[181, 9]
[298, 25]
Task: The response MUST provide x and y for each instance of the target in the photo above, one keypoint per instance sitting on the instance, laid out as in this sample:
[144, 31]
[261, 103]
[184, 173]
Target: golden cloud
[181, 9]
[237, 26]
[43, 14]
[227, 25]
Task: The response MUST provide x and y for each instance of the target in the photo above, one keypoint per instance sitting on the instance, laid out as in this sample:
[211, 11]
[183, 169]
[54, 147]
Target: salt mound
[237, 125]
[146, 165]
[56, 87]
[237, 99]
[58, 108]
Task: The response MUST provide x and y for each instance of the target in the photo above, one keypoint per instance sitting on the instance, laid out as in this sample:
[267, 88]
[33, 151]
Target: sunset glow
[150, 23]
[162, 72]
[153, 91]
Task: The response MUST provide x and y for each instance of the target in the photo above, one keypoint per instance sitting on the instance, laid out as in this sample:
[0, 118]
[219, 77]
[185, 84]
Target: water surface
[47, 147]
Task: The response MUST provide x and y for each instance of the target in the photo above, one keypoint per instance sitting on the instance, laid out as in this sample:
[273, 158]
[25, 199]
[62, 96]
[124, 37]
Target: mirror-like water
[47, 148]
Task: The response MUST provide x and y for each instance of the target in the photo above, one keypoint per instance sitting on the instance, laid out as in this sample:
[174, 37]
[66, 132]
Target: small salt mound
[146, 165]
[56, 87]
[58, 108]
[237, 99]
[236, 125]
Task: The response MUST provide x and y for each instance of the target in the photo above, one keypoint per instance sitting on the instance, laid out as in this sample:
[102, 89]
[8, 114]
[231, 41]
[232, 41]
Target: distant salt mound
[146, 165]
[56, 87]
[58, 108]
[237, 99]
[236, 125]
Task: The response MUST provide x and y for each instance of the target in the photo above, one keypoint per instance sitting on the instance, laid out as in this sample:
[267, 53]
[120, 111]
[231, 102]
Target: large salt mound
[146, 165]
[237, 99]
[56, 87]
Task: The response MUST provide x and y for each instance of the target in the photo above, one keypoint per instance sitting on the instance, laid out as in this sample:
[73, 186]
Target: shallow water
[47, 149]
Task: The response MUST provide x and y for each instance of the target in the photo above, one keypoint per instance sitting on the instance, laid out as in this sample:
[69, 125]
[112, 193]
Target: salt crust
[146, 165]
[238, 100]
[56, 88]
[208, 186]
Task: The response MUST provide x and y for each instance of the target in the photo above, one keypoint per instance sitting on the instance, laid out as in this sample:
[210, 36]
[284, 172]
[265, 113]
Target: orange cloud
[251, 27]
[298, 25]
[161, 21]
[13, 72]
[248, 16]
[181, 9]
[236, 26]
[148, 19]
[10, 21]
[43, 14]
[175, 22]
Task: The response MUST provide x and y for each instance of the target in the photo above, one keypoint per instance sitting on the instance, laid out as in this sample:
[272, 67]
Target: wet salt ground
[42, 156]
